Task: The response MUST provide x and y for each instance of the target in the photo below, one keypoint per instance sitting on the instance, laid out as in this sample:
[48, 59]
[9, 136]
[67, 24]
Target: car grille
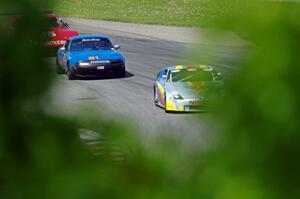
[196, 107]
[112, 68]
[114, 62]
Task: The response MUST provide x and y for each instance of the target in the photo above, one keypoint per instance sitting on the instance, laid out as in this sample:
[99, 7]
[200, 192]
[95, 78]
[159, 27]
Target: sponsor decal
[194, 102]
[100, 62]
[91, 58]
[56, 42]
[191, 67]
[206, 68]
[100, 67]
[175, 71]
[203, 66]
[92, 39]
[179, 67]
[198, 87]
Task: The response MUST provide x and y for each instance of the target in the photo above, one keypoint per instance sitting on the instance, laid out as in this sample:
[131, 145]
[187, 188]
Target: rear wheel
[70, 74]
[166, 109]
[59, 69]
[122, 74]
[155, 96]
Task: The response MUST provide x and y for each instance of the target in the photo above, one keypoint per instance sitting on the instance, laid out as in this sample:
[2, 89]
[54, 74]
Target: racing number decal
[160, 93]
[161, 85]
[92, 58]
[65, 59]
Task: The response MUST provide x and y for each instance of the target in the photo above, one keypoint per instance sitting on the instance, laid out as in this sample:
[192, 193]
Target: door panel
[161, 87]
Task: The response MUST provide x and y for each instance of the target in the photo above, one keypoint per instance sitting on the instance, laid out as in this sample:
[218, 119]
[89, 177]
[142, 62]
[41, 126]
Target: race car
[90, 56]
[59, 31]
[187, 88]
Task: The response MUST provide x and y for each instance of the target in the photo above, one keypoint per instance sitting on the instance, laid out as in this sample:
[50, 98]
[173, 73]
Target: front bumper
[186, 105]
[114, 68]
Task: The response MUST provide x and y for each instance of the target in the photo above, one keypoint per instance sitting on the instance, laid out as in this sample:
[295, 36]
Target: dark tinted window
[67, 45]
[158, 75]
[91, 44]
[52, 22]
[161, 79]
[186, 75]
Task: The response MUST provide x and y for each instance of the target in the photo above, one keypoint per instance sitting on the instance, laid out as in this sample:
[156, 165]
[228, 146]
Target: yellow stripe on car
[171, 107]
[179, 67]
[203, 66]
[161, 88]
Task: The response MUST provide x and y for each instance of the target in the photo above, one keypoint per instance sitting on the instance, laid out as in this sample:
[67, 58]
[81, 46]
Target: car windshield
[187, 75]
[91, 44]
[52, 22]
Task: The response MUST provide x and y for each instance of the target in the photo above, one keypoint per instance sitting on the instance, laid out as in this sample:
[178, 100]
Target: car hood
[64, 33]
[194, 90]
[97, 55]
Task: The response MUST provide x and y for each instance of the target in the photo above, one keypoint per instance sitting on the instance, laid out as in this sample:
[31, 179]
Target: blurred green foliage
[259, 145]
[254, 155]
[167, 12]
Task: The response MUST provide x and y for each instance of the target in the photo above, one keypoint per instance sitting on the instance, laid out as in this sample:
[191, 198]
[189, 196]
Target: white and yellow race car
[187, 88]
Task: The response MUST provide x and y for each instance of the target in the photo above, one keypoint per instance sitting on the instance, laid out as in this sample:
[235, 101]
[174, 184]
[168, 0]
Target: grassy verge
[165, 12]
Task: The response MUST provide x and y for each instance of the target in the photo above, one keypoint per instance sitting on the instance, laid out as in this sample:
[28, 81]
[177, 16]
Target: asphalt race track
[130, 99]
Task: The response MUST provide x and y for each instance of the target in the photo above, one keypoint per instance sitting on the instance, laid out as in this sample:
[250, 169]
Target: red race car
[59, 31]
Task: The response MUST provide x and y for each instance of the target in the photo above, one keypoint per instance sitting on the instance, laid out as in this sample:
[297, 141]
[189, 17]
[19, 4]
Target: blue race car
[90, 56]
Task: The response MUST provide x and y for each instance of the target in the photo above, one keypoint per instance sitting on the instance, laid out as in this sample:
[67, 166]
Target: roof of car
[51, 16]
[191, 66]
[89, 37]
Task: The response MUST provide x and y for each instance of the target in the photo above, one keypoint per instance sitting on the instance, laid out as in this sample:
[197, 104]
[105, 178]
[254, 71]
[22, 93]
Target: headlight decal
[84, 64]
[177, 96]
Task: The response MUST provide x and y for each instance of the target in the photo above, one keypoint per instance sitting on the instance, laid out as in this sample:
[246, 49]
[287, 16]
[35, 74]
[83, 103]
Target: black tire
[59, 69]
[70, 75]
[155, 98]
[122, 74]
[166, 110]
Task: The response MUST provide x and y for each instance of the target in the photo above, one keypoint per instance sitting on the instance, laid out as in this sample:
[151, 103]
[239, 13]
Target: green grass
[165, 12]
[5, 22]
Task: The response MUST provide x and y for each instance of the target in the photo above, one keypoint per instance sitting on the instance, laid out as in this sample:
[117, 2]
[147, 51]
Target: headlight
[177, 96]
[51, 34]
[84, 64]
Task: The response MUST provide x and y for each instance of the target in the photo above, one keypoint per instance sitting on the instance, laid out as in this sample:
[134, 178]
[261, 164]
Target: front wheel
[122, 74]
[166, 109]
[59, 69]
[70, 74]
[155, 96]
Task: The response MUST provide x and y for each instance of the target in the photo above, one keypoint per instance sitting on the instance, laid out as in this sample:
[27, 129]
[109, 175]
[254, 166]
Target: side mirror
[62, 48]
[164, 77]
[219, 76]
[117, 47]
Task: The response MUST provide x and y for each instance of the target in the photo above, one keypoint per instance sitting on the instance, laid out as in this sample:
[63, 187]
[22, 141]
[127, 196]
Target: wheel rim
[155, 101]
[68, 71]
[165, 101]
